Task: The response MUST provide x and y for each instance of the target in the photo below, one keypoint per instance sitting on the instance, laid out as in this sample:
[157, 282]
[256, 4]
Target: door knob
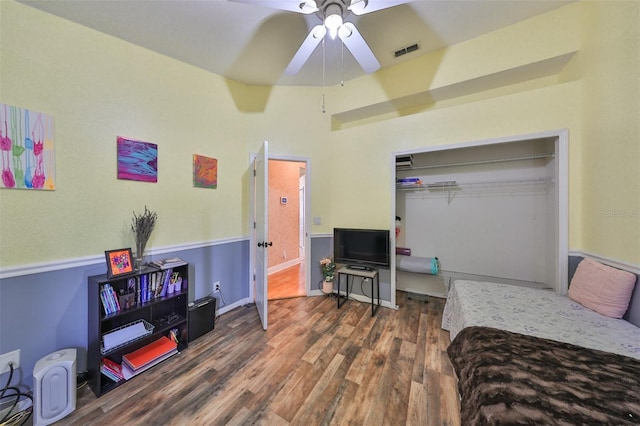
[265, 244]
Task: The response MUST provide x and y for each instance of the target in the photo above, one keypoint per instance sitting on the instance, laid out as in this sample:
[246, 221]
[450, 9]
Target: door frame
[307, 208]
[307, 221]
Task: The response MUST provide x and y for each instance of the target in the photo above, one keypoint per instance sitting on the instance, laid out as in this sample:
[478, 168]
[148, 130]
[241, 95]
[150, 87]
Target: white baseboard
[429, 285]
[227, 308]
[283, 266]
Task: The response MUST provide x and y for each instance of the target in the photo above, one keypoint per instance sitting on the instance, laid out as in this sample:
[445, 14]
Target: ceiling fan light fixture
[319, 32]
[308, 6]
[344, 32]
[333, 22]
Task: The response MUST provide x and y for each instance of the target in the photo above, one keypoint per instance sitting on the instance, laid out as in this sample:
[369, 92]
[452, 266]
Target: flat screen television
[363, 248]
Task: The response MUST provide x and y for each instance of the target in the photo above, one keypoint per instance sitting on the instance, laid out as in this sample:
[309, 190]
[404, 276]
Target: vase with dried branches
[142, 224]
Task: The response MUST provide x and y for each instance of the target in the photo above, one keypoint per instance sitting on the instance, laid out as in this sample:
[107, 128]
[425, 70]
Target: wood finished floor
[315, 365]
[287, 283]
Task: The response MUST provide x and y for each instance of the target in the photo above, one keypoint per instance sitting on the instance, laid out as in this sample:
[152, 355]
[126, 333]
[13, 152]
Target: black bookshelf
[161, 313]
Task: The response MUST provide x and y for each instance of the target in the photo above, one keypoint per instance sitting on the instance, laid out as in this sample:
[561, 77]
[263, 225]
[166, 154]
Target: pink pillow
[602, 288]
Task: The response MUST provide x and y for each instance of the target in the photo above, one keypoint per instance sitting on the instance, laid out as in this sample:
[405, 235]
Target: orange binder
[149, 353]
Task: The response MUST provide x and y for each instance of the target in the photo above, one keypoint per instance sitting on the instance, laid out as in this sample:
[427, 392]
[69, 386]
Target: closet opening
[491, 210]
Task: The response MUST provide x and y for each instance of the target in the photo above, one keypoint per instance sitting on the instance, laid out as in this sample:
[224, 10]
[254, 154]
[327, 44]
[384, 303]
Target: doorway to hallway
[287, 283]
[286, 223]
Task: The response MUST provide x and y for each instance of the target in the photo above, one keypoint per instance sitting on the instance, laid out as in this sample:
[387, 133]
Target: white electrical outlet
[216, 286]
[5, 359]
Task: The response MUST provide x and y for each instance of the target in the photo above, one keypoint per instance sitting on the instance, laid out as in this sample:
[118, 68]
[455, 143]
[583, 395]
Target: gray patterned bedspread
[539, 313]
[507, 378]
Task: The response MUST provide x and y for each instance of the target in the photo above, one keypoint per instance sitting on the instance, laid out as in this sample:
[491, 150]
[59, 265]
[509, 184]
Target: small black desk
[370, 274]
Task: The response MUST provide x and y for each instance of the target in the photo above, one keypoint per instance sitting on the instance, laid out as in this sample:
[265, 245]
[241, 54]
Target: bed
[531, 356]
[512, 378]
[535, 312]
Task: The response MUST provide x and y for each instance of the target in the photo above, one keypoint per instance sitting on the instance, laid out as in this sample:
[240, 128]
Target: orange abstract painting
[205, 172]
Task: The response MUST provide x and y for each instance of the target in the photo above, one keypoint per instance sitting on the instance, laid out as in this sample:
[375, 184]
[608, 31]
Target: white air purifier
[54, 378]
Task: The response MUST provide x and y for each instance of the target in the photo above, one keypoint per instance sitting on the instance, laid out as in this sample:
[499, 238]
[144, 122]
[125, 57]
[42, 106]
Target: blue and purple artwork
[26, 146]
[137, 160]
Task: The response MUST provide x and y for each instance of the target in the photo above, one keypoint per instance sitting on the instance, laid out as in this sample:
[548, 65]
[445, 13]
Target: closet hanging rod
[509, 185]
[489, 161]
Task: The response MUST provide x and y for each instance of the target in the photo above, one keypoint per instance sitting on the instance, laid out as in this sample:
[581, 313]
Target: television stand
[351, 272]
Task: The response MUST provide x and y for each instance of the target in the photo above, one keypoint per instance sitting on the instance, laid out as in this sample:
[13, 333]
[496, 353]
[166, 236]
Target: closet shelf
[470, 163]
[504, 186]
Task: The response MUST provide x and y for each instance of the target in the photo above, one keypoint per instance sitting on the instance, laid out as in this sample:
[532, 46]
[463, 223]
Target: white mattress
[536, 312]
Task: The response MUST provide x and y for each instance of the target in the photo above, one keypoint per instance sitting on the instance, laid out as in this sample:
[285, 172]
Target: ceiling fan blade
[360, 7]
[300, 6]
[358, 47]
[307, 47]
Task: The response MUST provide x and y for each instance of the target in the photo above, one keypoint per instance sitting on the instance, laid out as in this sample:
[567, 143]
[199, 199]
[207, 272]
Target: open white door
[261, 185]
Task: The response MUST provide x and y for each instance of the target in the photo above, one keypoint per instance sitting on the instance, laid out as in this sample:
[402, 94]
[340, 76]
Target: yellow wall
[596, 95]
[610, 169]
[98, 87]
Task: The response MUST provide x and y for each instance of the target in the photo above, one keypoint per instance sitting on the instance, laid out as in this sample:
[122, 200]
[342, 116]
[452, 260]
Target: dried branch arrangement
[142, 225]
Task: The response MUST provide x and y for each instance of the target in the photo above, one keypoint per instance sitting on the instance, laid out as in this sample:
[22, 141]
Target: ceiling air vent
[406, 50]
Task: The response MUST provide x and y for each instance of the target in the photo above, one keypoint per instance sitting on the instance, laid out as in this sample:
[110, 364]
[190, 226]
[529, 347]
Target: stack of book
[155, 284]
[109, 299]
[147, 356]
[171, 262]
[111, 369]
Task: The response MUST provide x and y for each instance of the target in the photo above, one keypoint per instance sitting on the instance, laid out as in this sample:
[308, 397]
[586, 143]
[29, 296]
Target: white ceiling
[254, 44]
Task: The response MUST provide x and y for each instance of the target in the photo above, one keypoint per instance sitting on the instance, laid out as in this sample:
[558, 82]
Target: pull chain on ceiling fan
[332, 14]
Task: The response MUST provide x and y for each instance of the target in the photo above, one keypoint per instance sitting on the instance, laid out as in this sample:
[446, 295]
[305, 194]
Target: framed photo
[119, 262]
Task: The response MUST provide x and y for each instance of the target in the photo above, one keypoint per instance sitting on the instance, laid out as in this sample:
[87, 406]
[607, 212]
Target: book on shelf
[150, 353]
[129, 372]
[166, 281]
[114, 297]
[144, 288]
[111, 369]
[105, 304]
[170, 262]
[159, 283]
[109, 299]
[110, 375]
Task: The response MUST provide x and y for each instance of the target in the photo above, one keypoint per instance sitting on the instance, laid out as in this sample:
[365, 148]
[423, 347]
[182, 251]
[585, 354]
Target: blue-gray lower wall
[321, 247]
[44, 312]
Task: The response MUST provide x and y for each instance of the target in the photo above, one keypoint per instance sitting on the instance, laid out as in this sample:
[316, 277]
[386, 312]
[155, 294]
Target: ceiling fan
[332, 14]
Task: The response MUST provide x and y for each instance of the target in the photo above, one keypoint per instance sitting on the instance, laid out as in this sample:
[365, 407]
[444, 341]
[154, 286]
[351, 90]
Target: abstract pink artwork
[137, 160]
[26, 145]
